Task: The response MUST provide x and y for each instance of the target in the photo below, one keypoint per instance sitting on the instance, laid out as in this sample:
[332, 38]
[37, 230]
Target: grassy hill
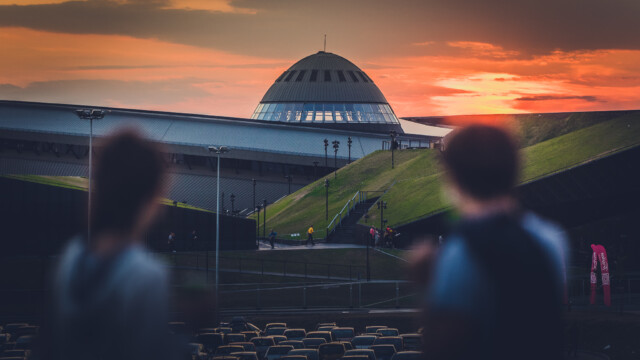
[82, 184]
[414, 185]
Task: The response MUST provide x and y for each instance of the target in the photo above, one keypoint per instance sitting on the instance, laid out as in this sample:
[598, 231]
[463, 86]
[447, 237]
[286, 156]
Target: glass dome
[325, 89]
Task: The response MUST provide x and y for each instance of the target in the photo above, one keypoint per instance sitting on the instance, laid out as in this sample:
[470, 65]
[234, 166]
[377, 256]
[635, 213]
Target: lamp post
[349, 142]
[326, 145]
[218, 150]
[264, 219]
[289, 178]
[90, 114]
[233, 199]
[336, 145]
[393, 135]
[326, 199]
[315, 170]
[382, 205]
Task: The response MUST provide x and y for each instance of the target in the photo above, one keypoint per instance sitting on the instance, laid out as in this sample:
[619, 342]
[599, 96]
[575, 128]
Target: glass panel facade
[326, 112]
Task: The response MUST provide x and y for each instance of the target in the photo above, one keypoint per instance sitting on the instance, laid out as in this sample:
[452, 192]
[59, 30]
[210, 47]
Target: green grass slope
[81, 183]
[416, 191]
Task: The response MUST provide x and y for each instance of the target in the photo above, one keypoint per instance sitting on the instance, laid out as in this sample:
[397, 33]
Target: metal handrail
[351, 204]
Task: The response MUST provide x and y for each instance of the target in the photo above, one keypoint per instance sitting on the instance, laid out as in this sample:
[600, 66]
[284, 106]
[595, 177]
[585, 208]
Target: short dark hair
[483, 160]
[129, 172]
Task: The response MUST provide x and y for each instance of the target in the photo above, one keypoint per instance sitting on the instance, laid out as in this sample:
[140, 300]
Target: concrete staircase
[347, 233]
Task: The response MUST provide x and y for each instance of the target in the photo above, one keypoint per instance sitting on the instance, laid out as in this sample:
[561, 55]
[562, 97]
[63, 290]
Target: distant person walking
[272, 238]
[310, 236]
[109, 297]
[372, 233]
[496, 287]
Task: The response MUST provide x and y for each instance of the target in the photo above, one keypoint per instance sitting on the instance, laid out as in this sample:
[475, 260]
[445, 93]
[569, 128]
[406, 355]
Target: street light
[258, 223]
[218, 150]
[349, 142]
[326, 145]
[393, 135]
[90, 114]
[326, 196]
[289, 178]
[336, 145]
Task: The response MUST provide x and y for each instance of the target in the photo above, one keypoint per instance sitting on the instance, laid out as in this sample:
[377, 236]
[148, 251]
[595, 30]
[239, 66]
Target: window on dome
[327, 75]
[364, 78]
[281, 76]
[314, 75]
[291, 74]
[341, 77]
[353, 76]
[301, 75]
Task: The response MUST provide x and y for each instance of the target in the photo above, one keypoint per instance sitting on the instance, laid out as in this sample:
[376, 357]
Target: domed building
[329, 91]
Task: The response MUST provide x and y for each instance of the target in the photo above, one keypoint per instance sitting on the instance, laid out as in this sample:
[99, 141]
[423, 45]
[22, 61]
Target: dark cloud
[357, 28]
[105, 92]
[587, 98]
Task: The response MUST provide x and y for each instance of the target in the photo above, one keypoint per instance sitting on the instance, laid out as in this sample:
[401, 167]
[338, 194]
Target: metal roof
[189, 130]
[345, 82]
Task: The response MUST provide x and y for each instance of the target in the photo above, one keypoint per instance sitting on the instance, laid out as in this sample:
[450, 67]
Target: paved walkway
[264, 245]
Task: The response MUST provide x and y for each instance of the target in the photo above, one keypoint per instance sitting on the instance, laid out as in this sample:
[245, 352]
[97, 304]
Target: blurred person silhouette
[494, 288]
[109, 298]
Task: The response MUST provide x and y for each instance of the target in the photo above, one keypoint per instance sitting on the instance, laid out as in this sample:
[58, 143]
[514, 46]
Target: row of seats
[242, 340]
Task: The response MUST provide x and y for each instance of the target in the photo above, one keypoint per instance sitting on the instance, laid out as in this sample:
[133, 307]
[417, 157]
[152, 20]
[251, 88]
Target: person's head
[482, 162]
[128, 177]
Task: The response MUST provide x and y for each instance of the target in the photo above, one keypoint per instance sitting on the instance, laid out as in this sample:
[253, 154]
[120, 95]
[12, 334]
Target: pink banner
[600, 255]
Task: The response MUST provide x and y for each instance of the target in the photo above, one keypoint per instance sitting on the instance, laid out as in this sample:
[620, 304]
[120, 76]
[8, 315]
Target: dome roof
[324, 77]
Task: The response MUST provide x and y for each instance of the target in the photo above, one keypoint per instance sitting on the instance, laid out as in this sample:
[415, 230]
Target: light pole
[326, 199]
[264, 219]
[90, 114]
[349, 142]
[315, 170]
[336, 145]
[289, 178]
[218, 150]
[326, 145]
[393, 135]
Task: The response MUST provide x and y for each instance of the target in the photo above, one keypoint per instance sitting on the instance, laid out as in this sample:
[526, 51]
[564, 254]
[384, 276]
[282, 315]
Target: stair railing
[358, 198]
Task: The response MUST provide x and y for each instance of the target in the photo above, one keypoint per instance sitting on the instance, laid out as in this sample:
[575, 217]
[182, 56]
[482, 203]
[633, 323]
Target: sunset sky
[218, 57]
